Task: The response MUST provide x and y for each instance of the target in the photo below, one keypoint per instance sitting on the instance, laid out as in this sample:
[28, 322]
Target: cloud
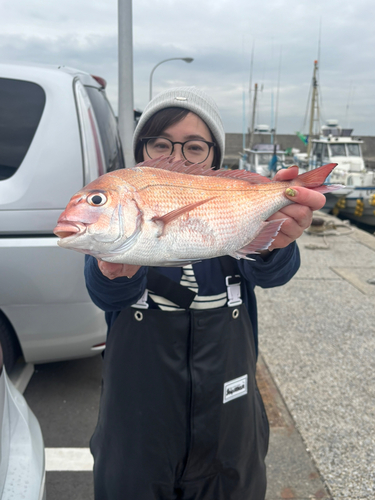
[220, 35]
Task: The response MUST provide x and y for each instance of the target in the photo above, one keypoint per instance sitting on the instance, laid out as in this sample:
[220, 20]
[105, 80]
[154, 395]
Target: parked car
[22, 464]
[57, 133]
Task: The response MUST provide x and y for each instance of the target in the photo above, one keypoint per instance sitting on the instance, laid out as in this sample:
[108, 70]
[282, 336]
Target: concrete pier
[317, 369]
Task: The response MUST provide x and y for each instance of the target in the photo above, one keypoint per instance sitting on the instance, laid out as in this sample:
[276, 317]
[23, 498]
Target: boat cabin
[336, 145]
[264, 159]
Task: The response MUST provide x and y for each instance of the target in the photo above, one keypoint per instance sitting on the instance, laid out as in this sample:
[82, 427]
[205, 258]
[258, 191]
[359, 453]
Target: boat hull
[356, 203]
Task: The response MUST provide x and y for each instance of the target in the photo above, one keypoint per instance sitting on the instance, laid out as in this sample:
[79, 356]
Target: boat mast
[314, 105]
[253, 115]
[277, 96]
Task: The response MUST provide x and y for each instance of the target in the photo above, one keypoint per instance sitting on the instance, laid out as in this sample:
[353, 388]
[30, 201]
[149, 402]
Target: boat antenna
[320, 97]
[251, 76]
[278, 91]
[307, 110]
[250, 87]
[253, 115]
[319, 39]
[314, 107]
[243, 106]
[350, 98]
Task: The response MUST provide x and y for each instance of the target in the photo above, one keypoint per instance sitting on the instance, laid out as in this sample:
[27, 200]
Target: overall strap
[232, 279]
[169, 289]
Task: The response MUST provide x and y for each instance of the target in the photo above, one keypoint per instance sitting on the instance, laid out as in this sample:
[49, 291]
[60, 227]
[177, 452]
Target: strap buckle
[233, 291]
[142, 302]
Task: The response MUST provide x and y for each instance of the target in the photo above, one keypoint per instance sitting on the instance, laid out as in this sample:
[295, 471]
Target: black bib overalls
[180, 414]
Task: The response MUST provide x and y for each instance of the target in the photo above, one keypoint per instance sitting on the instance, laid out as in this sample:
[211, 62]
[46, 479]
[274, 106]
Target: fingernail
[290, 192]
[292, 166]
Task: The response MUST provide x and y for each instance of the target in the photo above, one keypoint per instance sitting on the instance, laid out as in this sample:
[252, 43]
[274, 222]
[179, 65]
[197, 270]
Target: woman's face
[189, 128]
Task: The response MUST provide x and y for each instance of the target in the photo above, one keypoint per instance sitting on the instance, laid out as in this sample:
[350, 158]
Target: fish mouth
[66, 229]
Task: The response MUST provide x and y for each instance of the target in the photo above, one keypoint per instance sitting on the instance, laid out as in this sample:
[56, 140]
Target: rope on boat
[326, 227]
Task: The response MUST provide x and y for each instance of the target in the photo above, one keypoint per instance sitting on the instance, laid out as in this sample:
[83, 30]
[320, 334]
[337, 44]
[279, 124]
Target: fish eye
[96, 199]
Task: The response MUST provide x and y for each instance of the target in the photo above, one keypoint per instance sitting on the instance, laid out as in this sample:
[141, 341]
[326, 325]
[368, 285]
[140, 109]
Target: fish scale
[225, 227]
[156, 214]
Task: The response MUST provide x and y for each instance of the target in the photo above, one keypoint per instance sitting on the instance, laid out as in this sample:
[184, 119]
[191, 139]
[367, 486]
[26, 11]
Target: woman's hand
[112, 271]
[299, 214]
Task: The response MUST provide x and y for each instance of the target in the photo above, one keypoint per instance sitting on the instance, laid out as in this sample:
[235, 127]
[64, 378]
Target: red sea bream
[164, 213]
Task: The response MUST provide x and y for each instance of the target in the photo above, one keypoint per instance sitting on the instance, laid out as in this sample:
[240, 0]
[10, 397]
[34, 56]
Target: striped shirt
[188, 279]
[112, 296]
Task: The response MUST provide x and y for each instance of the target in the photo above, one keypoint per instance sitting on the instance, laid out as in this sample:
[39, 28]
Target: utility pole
[125, 79]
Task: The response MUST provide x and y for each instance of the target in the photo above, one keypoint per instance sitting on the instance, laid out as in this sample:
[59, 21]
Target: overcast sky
[220, 35]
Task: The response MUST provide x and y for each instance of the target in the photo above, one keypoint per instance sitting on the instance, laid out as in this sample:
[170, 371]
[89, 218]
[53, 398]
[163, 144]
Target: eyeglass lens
[193, 151]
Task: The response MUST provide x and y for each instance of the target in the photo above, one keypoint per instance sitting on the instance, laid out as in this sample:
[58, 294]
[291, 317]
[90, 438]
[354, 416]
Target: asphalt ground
[65, 397]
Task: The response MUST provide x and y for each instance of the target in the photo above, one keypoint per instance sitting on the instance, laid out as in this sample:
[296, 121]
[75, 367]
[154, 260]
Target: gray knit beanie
[192, 99]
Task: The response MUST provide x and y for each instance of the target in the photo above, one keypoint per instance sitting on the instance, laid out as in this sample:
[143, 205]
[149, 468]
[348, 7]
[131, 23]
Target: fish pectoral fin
[163, 220]
[268, 231]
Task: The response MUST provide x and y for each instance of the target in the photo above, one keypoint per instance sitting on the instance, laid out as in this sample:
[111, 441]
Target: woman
[180, 414]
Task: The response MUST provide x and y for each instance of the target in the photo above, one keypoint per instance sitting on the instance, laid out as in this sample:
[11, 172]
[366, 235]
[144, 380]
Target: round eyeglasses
[194, 151]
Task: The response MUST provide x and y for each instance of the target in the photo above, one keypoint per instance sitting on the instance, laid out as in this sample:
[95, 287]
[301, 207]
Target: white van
[57, 133]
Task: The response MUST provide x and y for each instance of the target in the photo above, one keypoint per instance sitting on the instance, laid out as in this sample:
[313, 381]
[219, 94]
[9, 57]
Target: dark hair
[161, 120]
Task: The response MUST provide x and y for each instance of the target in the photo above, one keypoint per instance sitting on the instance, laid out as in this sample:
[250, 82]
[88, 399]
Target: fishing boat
[264, 159]
[334, 144]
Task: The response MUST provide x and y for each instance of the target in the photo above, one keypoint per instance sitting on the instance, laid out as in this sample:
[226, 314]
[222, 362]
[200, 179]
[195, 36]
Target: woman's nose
[177, 152]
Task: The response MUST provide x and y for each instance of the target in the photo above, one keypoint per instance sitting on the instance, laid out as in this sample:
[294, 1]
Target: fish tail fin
[314, 178]
[327, 188]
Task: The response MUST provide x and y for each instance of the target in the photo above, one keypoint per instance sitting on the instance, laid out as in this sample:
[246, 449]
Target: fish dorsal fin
[165, 163]
[181, 166]
[242, 175]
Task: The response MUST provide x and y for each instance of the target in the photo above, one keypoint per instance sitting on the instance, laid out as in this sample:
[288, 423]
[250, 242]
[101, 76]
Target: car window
[108, 129]
[21, 105]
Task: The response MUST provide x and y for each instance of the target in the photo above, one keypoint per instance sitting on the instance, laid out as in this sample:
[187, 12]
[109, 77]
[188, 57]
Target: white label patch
[235, 388]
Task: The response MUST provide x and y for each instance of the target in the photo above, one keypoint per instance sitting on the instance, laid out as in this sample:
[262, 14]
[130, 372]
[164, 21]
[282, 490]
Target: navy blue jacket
[114, 295]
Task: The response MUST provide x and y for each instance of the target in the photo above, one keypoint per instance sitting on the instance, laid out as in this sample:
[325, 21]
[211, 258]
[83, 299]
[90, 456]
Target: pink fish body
[162, 213]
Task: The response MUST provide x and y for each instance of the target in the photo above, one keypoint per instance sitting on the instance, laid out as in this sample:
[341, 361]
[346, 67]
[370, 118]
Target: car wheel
[9, 343]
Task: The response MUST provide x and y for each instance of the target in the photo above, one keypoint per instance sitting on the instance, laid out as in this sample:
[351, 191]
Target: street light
[186, 59]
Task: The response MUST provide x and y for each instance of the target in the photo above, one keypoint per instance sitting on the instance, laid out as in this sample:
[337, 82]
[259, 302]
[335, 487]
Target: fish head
[99, 219]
